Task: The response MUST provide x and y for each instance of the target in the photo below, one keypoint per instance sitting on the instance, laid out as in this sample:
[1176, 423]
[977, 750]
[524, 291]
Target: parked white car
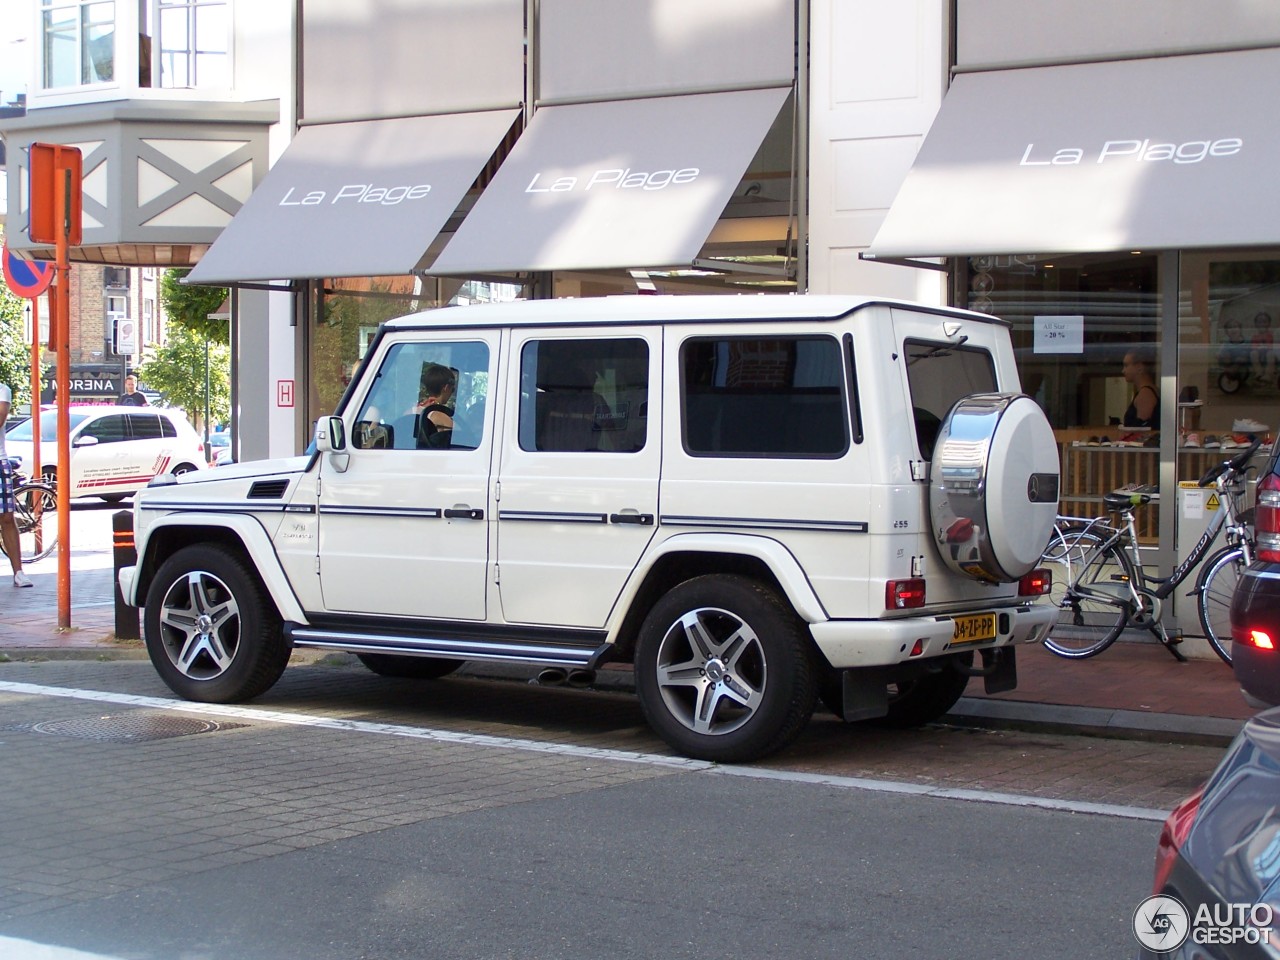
[755, 501]
[115, 451]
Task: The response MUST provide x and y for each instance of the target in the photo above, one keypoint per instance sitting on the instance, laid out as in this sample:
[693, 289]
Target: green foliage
[177, 372]
[190, 306]
[15, 352]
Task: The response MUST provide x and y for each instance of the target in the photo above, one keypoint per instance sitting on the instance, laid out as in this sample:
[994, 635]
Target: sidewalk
[1130, 690]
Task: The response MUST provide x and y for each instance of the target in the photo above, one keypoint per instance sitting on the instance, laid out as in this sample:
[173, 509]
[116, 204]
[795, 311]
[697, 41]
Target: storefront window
[1075, 321]
[1229, 351]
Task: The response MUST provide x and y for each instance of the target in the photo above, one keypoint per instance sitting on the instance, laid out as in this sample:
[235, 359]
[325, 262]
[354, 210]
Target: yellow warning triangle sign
[1212, 504]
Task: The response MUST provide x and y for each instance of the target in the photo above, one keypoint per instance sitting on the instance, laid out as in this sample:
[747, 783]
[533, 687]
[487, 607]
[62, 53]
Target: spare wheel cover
[993, 490]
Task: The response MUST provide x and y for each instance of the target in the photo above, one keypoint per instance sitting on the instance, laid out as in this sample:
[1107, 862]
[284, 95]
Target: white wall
[878, 73]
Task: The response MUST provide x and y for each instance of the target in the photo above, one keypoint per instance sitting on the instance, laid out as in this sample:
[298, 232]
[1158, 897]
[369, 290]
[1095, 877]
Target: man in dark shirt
[131, 397]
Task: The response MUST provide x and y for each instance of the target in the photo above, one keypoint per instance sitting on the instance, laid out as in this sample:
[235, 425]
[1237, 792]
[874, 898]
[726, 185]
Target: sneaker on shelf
[1248, 425]
[1211, 442]
[20, 579]
[1191, 440]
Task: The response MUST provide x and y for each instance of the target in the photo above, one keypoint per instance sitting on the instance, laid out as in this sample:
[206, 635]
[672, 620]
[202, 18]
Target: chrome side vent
[268, 489]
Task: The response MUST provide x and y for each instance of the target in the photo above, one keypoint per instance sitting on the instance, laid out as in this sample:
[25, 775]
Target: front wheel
[1217, 584]
[723, 669]
[212, 632]
[36, 515]
[1091, 591]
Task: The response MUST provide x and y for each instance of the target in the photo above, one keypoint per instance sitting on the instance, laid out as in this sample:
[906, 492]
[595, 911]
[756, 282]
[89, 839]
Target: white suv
[755, 501]
[115, 451]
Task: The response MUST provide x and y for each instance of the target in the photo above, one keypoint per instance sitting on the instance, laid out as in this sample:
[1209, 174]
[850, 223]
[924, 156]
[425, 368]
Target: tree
[190, 306]
[177, 372]
[15, 352]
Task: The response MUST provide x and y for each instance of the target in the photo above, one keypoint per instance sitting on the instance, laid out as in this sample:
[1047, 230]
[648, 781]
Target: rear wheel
[1218, 582]
[413, 668]
[212, 632]
[925, 698]
[723, 669]
[1090, 591]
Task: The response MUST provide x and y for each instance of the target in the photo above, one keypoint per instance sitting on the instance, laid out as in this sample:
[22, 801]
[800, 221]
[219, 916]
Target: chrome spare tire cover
[993, 486]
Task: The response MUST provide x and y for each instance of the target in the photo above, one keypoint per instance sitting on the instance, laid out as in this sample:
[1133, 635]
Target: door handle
[463, 513]
[643, 519]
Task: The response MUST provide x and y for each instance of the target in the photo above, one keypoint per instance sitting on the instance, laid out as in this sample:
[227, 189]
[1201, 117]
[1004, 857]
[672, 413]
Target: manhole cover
[130, 727]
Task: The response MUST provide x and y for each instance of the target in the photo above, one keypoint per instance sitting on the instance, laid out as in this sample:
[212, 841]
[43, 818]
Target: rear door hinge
[919, 470]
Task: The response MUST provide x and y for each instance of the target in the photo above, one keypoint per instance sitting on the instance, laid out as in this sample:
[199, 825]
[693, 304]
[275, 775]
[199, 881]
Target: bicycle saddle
[1118, 500]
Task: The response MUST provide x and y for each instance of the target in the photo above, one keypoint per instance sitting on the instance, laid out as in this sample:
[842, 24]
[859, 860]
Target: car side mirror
[85, 442]
[331, 435]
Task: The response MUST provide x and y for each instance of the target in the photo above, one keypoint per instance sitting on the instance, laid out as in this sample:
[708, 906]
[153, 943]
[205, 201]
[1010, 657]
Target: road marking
[569, 750]
[30, 950]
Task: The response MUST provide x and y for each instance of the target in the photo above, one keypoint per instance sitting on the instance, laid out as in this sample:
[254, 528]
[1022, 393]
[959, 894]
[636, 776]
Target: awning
[1170, 153]
[629, 183]
[355, 199]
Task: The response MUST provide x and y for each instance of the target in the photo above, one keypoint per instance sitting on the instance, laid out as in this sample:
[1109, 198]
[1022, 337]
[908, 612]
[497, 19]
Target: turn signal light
[1260, 639]
[1267, 519]
[1035, 584]
[903, 594]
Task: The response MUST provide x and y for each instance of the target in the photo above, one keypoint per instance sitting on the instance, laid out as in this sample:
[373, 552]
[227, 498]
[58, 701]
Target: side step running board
[493, 651]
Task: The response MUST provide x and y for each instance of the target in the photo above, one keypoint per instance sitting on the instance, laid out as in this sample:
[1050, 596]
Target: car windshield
[48, 427]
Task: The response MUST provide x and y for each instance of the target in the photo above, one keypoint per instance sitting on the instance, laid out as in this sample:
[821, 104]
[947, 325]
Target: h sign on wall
[284, 393]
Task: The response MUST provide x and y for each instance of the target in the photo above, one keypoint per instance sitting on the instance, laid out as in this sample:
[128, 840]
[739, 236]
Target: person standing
[1139, 372]
[8, 525]
[131, 397]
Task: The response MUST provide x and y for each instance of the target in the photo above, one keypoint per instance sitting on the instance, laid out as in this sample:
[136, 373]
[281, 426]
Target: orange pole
[35, 388]
[62, 324]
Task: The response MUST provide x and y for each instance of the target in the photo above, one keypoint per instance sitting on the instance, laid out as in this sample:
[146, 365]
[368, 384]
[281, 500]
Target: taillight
[902, 594]
[1173, 835]
[1035, 584]
[1257, 638]
[1266, 519]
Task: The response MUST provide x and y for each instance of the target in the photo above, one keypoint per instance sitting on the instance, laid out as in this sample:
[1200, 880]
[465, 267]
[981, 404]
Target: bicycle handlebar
[1235, 464]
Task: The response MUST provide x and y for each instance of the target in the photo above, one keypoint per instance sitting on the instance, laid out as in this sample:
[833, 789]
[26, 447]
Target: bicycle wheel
[1221, 573]
[1091, 591]
[37, 519]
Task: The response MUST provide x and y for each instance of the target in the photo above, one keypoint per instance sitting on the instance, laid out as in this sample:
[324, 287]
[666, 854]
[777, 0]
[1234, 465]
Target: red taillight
[901, 594]
[1266, 520]
[1173, 835]
[1257, 638]
[1035, 584]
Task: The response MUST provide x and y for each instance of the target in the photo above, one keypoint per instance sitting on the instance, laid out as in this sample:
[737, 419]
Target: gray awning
[1171, 153]
[355, 199]
[630, 183]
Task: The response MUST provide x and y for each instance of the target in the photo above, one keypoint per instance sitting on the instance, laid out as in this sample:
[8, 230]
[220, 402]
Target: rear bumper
[875, 643]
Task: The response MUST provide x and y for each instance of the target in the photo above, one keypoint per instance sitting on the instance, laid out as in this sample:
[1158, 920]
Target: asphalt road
[345, 815]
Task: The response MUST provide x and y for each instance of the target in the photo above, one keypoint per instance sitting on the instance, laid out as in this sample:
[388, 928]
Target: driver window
[110, 429]
[426, 396]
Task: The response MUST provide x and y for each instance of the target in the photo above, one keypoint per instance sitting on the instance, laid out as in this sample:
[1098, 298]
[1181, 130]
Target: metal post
[123, 554]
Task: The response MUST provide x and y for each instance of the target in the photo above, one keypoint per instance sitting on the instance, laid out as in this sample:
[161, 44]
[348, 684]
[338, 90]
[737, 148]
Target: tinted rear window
[764, 397]
[939, 374]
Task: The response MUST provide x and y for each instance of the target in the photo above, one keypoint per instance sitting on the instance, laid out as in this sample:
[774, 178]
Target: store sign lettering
[615, 179]
[1193, 151]
[356, 193]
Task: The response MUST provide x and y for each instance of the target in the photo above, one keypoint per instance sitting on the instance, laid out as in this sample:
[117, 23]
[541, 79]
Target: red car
[1255, 606]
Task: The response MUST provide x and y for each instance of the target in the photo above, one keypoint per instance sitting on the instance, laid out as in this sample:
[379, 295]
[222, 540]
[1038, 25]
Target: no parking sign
[26, 278]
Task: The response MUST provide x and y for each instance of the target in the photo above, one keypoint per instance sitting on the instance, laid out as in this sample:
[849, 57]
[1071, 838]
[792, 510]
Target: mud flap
[865, 693]
[999, 670]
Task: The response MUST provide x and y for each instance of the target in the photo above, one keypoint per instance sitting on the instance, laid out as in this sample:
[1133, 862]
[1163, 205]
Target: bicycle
[36, 514]
[1100, 585]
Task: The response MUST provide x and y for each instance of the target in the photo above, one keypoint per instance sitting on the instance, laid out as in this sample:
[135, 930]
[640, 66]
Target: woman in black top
[1144, 410]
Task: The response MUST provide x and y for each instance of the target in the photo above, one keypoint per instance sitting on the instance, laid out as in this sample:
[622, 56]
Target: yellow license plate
[974, 628]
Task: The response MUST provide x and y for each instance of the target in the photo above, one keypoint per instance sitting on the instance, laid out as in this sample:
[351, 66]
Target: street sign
[26, 278]
[124, 339]
[55, 169]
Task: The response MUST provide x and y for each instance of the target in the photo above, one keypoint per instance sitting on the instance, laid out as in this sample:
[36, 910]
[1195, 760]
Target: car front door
[100, 462]
[404, 512]
[578, 482]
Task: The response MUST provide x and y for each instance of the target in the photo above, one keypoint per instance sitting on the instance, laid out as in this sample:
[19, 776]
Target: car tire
[925, 698]
[211, 631]
[182, 468]
[412, 668]
[112, 497]
[723, 669]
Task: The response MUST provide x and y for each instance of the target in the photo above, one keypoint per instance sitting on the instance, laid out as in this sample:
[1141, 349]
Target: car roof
[661, 309]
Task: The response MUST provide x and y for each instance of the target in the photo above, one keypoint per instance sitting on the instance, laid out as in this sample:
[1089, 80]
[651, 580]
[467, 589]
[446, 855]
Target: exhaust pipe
[550, 677]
